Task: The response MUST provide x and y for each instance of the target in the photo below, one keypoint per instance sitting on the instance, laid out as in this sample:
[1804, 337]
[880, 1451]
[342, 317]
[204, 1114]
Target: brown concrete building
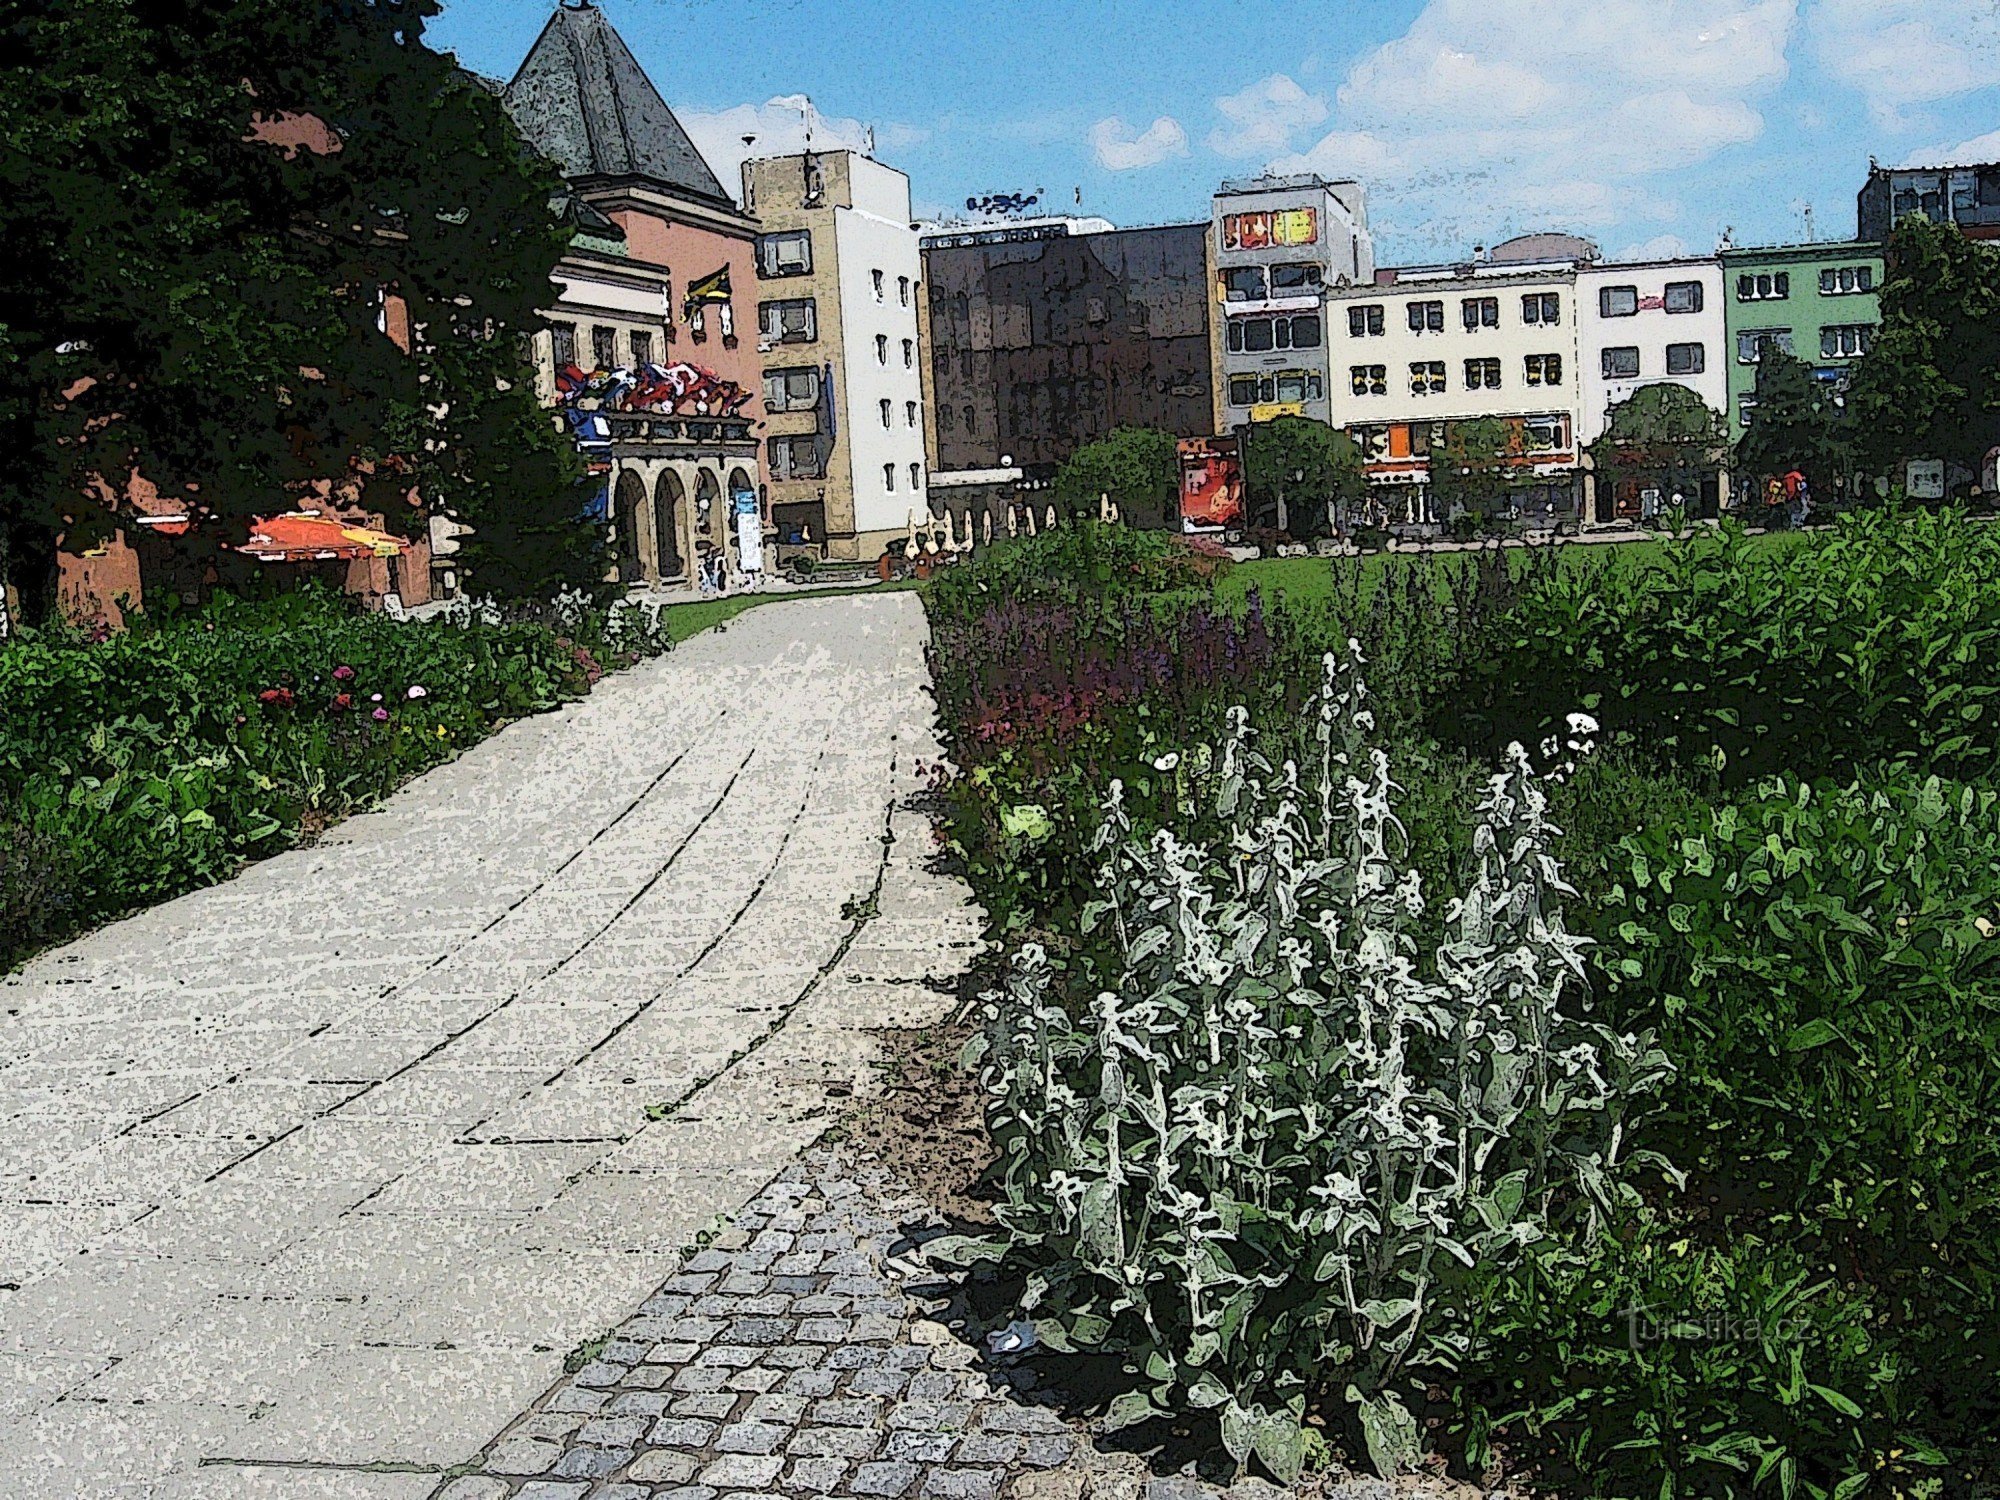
[1042, 340]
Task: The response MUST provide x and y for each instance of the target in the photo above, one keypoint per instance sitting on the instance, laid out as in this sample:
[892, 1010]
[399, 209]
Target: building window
[1297, 276]
[887, 407]
[1243, 390]
[1544, 434]
[1541, 308]
[1744, 406]
[791, 322]
[791, 390]
[876, 277]
[1426, 315]
[1259, 335]
[797, 458]
[1750, 343]
[1365, 322]
[1840, 281]
[1763, 286]
[1299, 385]
[1621, 363]
[562, 344]
[1617, 301]
[946, 422]
[604, 347]
[882, 349]
[909, 354]
[1480, 312]
[1683, 297]
[1686, 359]
[1427, 376]
[903, 290]
[786, 254]
[970, 424]
[1845, 341]
[1243, 284]
[1482, 374]
[889, 477]
[1369, 380]
[909, 413]
[916, 476]
[1543, 369]
[642, 347]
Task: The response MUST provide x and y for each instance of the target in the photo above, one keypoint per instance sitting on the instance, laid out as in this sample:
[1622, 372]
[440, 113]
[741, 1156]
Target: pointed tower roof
[583, 101]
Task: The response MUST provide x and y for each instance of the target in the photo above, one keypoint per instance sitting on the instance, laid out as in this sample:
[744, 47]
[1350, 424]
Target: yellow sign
[1270, 411]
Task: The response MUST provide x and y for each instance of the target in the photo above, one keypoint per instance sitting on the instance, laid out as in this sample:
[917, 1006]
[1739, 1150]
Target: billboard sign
[1211, 484]
[1263, 231]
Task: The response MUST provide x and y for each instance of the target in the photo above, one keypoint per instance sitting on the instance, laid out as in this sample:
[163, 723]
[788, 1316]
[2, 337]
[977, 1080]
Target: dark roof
[584, 102]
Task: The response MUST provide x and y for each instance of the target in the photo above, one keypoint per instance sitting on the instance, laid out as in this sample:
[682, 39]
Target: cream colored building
[1429, 346]
[838, 272]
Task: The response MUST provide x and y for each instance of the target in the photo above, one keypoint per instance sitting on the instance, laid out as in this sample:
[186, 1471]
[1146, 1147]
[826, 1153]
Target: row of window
[604, 352]
[1284, 385]
[1538, 309]
[1775, 286]
[804, 457]
[1258, 335]
[1427, 376]
[888, 410]
[789, 252]
[1682, 359]
[1290, 279]
[1623, 301]
[1836, 341]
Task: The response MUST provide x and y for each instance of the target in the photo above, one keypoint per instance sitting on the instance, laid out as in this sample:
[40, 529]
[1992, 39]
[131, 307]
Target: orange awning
[308, 536]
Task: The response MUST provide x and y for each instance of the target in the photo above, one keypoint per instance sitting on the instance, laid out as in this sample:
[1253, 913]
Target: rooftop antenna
[868, 141]
[1809, 224]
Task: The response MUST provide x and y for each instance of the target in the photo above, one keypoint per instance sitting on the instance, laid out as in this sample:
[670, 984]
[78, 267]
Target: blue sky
[1649, 125]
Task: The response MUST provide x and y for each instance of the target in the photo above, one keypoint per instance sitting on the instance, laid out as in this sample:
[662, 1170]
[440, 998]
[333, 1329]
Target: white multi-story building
[839, 282]
[1278, 244]
[1423, 348]
[1642, 323]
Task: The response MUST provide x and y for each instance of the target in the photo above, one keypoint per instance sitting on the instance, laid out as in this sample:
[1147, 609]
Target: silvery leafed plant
[1271, 1156]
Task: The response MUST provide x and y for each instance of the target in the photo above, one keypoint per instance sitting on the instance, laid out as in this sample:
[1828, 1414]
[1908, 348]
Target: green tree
[1299, 472]
[1138, 467]
[221, 196]
[1795, 423]
[1473, 467]
[1665, 436]
[1929, 386]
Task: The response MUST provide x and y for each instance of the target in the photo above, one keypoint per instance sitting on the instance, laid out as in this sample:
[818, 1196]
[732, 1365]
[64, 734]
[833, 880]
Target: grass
[685, 620]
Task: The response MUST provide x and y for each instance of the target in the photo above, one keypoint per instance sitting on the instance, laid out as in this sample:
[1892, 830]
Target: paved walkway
[310, 1182]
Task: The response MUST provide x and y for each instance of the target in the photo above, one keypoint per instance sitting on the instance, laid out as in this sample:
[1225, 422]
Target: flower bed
[149, 763]
[1789, 1288]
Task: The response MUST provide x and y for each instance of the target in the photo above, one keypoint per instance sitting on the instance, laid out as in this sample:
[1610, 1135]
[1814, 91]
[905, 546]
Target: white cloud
[778, 128]
[1265, 117]
[1980, 148]
[1659, 247]
[1904, 53]
[1119, 150]
[1492, 117]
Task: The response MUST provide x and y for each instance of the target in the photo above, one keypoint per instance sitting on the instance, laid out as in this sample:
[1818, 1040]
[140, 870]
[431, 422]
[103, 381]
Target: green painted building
[1818, 301]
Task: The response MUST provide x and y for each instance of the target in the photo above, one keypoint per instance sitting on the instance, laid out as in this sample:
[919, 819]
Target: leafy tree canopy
[221, 195]
[1138, 467]
[1664, 433]
[1929, 386]
[1473, 465]
[1795, 423]
[1298, 470]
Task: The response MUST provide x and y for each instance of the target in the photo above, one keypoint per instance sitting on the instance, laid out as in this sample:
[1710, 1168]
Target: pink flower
[381, 715]
[418, 692]
[343, 674]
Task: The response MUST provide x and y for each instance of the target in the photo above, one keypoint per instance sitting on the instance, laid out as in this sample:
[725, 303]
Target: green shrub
[1263, 1151]
[1079, 558]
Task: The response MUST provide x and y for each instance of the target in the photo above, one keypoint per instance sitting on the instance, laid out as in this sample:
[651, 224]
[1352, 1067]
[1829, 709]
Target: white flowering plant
[1275, 1151]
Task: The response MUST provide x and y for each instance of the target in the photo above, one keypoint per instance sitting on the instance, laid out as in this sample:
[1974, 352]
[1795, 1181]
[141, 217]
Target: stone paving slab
[309, 1182]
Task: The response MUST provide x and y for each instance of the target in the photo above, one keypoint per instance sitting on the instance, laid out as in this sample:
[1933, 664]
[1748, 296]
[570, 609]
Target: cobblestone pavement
[310, 1182]
[787, 1357]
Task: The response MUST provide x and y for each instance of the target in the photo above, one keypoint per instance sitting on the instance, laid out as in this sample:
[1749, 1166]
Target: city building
[1816, 301]
[1279, 243]
[1967, 195]
[650, 351]
[1425, 347]
[1042, 339]
[1642, 323]
[840, 279]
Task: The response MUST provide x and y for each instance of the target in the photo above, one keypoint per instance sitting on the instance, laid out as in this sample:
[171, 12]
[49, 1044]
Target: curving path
[310, 1182]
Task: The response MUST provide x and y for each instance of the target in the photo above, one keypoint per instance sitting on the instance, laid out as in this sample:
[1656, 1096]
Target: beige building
[838, 271]
[1426, 347]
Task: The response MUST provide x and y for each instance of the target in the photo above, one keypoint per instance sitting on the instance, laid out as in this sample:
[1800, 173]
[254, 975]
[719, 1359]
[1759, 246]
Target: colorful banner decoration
[713, 287]
[1261, 231]
[1211, 484]
[678, 390]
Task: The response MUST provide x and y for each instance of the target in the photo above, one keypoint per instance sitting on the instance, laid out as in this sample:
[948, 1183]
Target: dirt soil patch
[928, 1123]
